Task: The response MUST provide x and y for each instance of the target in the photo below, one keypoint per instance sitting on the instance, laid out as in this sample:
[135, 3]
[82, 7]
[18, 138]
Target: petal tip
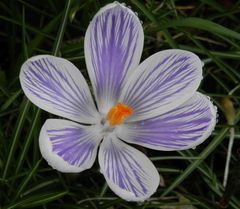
[57, 155]
[214, 116]
[55, 85]
[134, 178]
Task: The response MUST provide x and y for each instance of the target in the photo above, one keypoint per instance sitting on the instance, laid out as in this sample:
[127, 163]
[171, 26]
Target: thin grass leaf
[209, 176]
[151, 17]
[173, 158]
[37, 200]
[30, 28]
[62, 28]
[202, 24]
[40, 186]
[203, 155]
[214, 143]
[11, 100]
[28, 140]
[17, 131]
[27, 179]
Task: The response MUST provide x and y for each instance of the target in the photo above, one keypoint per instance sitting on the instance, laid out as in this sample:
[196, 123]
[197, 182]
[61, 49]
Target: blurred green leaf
[205, 25]
[37, 200]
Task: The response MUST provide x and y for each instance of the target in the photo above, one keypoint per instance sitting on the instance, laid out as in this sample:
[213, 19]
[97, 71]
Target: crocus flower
[154, 104]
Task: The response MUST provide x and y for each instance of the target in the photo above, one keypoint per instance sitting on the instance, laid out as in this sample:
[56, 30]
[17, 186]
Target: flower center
[118, 113]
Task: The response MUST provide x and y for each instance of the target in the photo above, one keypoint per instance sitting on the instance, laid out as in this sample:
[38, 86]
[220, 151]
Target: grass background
[192, 178]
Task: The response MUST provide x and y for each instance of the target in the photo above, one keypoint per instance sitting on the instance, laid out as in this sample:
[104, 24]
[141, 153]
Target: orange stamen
[118, 113]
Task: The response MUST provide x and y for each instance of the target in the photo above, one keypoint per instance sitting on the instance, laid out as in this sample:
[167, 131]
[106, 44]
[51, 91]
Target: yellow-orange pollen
[117, 114]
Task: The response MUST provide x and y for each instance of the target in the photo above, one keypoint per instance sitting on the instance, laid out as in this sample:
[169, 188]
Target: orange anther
[117, 114]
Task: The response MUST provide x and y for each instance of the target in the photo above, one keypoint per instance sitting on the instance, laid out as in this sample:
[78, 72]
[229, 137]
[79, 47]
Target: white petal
[113, 47]
[128, 172]
[67, 146]
[162, 82]
[57, 86]
[182, 128]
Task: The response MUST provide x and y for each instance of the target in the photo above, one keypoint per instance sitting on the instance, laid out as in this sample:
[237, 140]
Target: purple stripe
[74, 145]
[114, 35]
[175, 129]
[116, 160]
[157, 85]
[48, 83]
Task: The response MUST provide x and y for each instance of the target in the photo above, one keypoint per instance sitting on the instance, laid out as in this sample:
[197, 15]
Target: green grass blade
[230, 72]
[30, 28]
[28, 140]
[151, 17]
[27, 179]
[61, 31]
[208, 176]
[10, 100]
[17, 131]
[202, 24]
[203, 155]
[214, 143]
[37, 200]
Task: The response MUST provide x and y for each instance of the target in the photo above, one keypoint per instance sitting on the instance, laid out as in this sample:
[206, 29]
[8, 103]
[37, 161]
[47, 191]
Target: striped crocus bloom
[154, 104]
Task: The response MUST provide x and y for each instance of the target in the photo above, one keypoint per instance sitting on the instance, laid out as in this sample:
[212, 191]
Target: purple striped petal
[162, 82]
[57, 86]
[182, 128]
[68, 146]
[128, 172]
[113, 48]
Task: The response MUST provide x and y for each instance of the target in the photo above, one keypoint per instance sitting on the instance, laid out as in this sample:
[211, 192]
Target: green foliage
[208, 28]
